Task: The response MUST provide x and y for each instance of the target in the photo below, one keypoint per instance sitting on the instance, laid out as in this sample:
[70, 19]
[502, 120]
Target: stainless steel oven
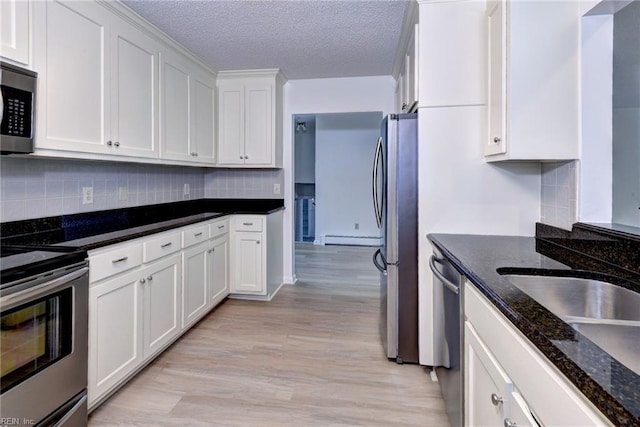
[17, 109]
[43, 322]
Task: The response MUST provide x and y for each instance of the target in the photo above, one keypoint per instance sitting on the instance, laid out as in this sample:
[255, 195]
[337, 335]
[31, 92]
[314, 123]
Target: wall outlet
[122, 193]
[276, 188]
[356, 226]
[186, 190]
[87, 195]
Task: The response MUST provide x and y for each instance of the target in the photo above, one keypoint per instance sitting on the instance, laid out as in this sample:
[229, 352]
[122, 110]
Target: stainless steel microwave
[17, 109]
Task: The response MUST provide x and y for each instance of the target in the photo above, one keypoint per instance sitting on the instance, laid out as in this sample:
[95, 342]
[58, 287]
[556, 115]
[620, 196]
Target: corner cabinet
[508, 381]
[250, 108]
[533, 100]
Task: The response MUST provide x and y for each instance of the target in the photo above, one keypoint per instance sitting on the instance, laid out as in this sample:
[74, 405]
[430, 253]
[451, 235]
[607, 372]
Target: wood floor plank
[310, 357]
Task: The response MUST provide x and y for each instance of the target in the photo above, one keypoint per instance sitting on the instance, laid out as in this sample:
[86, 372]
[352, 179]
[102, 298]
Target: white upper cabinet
[533, 86]
[249, 118]
[175, 109]
[134, 101]
[187, 110]
[72, 61]
[109, 85]
[15, 31]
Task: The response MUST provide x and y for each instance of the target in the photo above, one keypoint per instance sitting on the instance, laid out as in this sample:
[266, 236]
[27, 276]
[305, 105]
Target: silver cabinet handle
[198, 234]
[115, 261]
[220, 226]
[166, 245]
[246, 157]
[209, 251]
[117, 144]
[109, 143]
[496, 140]
[451, 286]
[257, 242]
[149, 279]
[241, 157]
[142, 280]
[196, 154]
[509, 423]
[247, 223]
[495, 399]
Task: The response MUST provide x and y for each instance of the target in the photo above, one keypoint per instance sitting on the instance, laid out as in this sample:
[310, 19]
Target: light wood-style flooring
[310, 357]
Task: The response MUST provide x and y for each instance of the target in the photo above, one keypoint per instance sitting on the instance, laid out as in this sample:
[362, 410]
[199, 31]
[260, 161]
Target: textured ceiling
[305, 39]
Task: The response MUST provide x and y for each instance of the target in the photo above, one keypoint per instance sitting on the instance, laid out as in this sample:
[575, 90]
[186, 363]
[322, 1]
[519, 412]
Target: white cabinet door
[15, 30]
[496, 141]
[72, 59]
[259, 122]
[196, 277]
[162, 293]
[520, 412]
[487, 386]
[219, 270]
[231, 101]
[115, 332]
[203, 118]
[248, 271]
[175, 107]
[134, 79]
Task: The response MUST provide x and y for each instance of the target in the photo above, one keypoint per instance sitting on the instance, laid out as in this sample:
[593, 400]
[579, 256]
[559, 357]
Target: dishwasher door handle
[446, 282]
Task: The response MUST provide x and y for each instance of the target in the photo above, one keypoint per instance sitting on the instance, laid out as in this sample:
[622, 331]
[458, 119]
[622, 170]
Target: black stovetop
[19, 262]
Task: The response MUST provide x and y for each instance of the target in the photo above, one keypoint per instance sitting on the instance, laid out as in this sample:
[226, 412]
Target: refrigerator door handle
[374, 182]
[382, 268]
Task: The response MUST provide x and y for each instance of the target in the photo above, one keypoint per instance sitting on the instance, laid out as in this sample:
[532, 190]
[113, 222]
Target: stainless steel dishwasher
[450, 374]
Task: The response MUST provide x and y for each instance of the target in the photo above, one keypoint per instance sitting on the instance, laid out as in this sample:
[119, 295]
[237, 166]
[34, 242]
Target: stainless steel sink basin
[577, 297]
[621, 341]
[607, 314]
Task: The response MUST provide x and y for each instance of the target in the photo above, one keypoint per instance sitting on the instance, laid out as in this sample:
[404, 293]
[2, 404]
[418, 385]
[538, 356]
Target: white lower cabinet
[115, 332]
[197, 275]
[145, 293]
[219, 283]
[508, 380]
[248, 270]
[162, 284]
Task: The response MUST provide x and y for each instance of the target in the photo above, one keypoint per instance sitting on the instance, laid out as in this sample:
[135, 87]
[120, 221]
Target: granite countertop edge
[615, 406]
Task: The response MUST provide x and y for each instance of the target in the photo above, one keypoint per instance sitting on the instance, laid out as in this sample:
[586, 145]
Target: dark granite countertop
[92, 230]
[610, 386]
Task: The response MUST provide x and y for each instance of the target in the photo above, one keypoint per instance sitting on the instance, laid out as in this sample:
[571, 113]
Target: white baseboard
[256, 297]
[291, 280]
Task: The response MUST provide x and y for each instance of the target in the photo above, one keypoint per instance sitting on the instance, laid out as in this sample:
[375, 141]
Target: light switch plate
[186, 190]
[122, 193]
[276, 188]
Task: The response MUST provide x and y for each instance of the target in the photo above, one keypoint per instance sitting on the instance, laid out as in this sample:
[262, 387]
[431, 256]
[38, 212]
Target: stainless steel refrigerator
[395, 201]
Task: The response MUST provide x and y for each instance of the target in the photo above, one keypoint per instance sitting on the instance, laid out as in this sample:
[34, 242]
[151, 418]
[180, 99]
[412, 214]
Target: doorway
[333, 156]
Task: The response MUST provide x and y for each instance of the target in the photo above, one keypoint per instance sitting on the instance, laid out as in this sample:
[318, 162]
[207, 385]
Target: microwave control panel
[16, 114]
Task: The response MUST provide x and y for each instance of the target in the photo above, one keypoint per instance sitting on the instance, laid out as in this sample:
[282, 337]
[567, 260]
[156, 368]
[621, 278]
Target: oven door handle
[42, 289]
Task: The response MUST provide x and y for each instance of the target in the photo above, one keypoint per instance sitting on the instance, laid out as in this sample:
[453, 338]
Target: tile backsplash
[559, 194]
[35, 187]
[243, 183]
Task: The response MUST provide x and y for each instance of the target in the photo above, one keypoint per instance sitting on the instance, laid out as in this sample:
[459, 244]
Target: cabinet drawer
[194, 235]
[110, 262]
[248, 223]
[160, 246]
[219, 228]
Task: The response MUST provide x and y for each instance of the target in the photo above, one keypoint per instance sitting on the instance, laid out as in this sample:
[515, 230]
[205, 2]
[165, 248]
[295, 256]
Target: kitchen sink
[579, 297]
[607, 314]
[620, 340]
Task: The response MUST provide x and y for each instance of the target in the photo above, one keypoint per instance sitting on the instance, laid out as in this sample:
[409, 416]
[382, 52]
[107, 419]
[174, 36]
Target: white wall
[314, 96]
[345, 146]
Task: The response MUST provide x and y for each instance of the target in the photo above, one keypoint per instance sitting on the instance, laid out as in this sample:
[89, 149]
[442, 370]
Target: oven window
[33, 336]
